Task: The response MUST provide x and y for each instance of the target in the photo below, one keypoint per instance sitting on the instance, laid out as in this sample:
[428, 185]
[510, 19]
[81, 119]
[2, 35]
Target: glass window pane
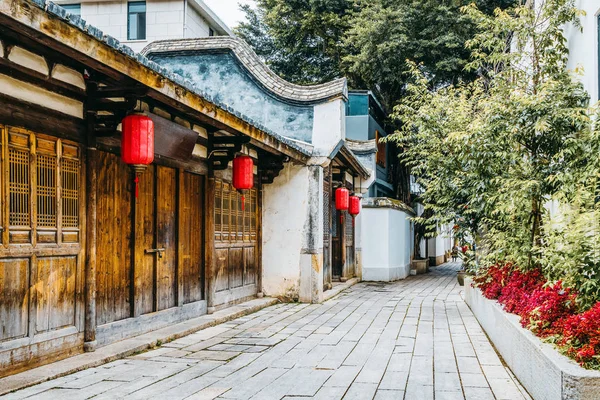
[136, 20]
[74, 9]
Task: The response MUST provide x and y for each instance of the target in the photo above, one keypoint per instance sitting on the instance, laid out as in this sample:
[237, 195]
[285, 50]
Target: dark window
[381, 149]
[136, 20]
[74, 9]
[211, 32]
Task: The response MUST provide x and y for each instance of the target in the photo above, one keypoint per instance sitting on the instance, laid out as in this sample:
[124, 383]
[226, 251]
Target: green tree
[368, 41]
[491, 149]
[301, 40]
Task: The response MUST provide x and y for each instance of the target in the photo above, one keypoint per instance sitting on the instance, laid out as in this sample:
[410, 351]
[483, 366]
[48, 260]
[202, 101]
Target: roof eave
[102, 51]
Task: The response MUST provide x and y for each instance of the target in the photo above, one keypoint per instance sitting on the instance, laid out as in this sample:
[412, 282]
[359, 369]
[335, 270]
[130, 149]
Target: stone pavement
[413, 339]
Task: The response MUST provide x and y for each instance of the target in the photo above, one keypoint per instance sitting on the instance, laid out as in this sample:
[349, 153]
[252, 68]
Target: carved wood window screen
[70, 192]
[41, 187]
[232, 224]
[46, 190]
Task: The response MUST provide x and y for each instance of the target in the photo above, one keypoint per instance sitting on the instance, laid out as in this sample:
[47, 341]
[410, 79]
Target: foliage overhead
[495, 152]
[368, 41]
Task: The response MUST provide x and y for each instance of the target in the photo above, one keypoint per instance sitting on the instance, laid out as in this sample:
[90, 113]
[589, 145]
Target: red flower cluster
[549, 310]
[581, 336]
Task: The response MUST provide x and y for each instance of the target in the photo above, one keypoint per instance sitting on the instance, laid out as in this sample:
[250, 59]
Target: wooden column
[90, 254]
[259, 199]
[209, 236]
[180, 235]
[343, 258]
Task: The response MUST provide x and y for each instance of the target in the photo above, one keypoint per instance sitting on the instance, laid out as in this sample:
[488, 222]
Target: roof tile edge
[255, 66]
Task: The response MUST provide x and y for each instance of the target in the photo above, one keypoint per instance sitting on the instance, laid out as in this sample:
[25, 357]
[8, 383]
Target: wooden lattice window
[43, 173]
[233, 222]
[70, 169]
[46, 190]
[218, 210]
[254, 214]
[19, 186]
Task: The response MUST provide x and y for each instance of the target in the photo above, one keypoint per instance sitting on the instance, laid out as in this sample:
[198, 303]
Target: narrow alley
[413, 339]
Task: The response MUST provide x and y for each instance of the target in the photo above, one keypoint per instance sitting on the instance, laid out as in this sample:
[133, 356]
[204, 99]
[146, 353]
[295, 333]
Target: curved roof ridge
[255, 66]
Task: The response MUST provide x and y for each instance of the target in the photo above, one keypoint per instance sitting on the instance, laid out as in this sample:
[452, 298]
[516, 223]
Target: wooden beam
[21, 73]
[40, 119]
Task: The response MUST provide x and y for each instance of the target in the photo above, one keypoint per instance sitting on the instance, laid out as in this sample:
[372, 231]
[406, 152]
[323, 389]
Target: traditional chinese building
[89, 253]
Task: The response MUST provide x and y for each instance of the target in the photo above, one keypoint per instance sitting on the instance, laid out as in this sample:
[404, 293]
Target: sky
[228, 10]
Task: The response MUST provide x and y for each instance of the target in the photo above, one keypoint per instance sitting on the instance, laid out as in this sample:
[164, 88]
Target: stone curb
[127, 347]
[329, 294]
[541, 369]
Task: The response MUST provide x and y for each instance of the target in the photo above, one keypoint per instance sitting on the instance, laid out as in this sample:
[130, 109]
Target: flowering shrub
[548, 310]
[581, 337]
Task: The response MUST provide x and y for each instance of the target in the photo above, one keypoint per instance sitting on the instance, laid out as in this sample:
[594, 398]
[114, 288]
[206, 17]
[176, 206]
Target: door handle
[159, 251]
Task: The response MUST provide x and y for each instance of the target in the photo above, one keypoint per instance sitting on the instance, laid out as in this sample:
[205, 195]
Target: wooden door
[166, 238]
[115, 241]
[191, 237]
[236, 243]
[150, 248]
[349, 243]
[337, 229]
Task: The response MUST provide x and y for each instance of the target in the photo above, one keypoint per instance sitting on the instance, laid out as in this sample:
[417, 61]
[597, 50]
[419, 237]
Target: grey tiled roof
[362, 146]
[76, 21]
[258, 69]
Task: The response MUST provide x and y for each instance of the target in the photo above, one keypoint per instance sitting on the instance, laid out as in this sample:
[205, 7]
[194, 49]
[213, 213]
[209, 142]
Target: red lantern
[342, 199]
[243, 175]
[137, 143]
[354, 208]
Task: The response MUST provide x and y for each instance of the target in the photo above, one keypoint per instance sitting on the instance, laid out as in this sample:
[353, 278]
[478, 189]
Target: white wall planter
[541, 369]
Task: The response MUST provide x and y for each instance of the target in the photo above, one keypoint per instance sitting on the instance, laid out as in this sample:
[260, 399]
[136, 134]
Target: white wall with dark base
[386, 240]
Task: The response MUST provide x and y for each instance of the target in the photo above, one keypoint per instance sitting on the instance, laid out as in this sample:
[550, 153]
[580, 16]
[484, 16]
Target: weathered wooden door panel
[249, 266]
[336, 245]
[14, 298]
[222, 269]
[114, 243]
[144, 263]
[166, 238]
[56, 291]
[191, 237]
[236, 267]
[349, 242]
[236, 242]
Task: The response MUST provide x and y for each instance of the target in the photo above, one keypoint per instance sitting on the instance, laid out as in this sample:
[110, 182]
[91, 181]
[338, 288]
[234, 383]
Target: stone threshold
[127, 347]
[337, 289]
[541, 369]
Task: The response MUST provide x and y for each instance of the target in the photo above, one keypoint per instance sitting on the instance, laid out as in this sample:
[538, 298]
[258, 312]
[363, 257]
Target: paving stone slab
[403, 340]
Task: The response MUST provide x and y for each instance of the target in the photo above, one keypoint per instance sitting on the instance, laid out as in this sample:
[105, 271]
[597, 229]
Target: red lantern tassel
[243, 202]
[136, 180]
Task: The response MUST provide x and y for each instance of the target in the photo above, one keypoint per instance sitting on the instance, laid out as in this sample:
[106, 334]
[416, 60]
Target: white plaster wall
[195, 25]
[285, 206]
[329, 126]
[164, 19]
[583, 46]
[33, 94]
[386, 244]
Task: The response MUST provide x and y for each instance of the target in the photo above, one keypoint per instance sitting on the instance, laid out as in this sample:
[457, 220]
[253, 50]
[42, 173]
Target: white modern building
[583, 46]
[137, 23]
